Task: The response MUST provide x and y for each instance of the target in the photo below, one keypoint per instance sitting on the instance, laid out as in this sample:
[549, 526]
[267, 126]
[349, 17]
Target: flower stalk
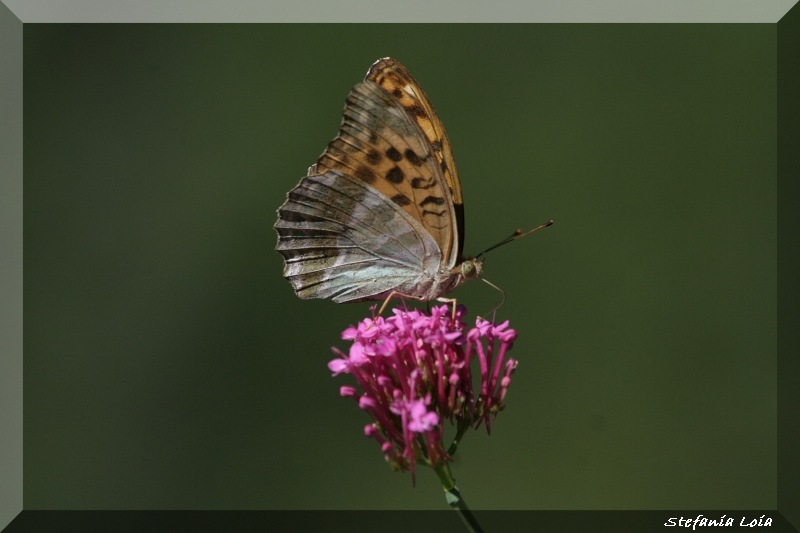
[455, 500]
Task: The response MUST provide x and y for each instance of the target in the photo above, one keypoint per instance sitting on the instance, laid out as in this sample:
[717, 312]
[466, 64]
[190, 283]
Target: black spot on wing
[365, 174]
[437, 145]
[435, 200]
[374, 157]
[417, 111]
[395, 175]
[393, 154]
[412, 156]
[397, 93]
[422, 183]
[401, 200]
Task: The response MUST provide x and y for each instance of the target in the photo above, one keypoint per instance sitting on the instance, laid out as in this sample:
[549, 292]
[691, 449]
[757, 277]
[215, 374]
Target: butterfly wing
[344, 240]
[395, 79]
[392, 140]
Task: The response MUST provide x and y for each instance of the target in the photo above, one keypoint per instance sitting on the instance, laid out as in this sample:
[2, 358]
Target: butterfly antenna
[513, 237]
[494, 311]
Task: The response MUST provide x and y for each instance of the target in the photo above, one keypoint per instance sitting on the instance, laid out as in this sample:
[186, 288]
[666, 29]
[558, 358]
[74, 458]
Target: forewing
[344, 240]
[395, 79]
[381, 142]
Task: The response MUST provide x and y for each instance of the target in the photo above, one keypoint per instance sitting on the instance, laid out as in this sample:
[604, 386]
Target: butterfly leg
[392, 295]
[450, 301]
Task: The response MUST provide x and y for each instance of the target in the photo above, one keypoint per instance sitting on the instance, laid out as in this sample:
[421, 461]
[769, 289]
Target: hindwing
[342, 239]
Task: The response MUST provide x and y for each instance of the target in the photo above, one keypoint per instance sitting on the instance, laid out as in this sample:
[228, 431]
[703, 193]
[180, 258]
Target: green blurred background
[169, 365]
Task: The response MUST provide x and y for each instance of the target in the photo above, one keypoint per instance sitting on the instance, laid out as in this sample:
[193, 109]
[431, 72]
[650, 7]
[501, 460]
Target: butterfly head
[471, 268]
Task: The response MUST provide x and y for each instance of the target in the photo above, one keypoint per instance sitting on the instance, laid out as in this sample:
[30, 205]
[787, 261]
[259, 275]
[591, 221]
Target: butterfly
[381, 212]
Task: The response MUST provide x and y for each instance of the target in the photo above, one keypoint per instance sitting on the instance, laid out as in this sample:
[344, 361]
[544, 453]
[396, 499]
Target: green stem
[463, 426]
[454, 498]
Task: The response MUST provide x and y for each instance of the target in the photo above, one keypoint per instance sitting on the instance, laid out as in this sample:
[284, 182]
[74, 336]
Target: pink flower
[413, 370]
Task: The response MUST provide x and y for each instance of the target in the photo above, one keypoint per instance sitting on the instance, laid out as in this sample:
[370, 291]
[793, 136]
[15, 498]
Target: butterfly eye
[468, 269]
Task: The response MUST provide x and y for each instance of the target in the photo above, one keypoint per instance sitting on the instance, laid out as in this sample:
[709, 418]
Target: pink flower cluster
[414, 372]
